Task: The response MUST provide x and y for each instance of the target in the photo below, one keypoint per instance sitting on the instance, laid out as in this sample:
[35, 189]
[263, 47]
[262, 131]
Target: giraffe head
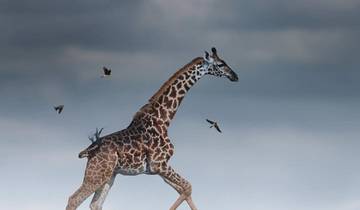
[217, 66]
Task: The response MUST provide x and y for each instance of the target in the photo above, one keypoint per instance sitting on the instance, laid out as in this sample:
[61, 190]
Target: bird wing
[209, 121]
[59, 108]
[104, 69]
[217, 128]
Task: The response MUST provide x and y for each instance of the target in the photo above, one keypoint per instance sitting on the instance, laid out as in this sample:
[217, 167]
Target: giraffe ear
[207, 57]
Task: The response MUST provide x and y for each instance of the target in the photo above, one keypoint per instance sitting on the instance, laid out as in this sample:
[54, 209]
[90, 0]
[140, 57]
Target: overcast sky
[290, 125]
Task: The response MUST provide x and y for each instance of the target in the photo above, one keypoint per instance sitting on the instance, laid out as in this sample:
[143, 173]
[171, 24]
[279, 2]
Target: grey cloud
[278, 14]
[62, 47]
[66, 7]
[290, 124]
[93, 27]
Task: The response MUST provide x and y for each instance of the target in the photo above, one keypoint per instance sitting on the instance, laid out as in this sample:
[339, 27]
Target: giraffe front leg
[181, 185]
[97, 173]
[176, 187]
[179, 189]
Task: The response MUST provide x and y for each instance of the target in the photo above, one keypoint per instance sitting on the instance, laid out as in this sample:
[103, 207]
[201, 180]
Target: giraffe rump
[95, 143]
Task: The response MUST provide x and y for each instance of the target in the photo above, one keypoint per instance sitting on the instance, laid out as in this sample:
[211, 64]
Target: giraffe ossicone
[144, 146]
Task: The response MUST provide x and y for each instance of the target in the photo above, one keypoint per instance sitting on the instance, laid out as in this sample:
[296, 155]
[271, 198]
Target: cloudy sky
[290, 125]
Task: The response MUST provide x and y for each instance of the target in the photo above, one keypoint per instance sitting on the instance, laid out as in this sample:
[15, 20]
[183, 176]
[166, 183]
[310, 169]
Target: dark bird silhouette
[106, 72]
[59, 108]
[214, 124]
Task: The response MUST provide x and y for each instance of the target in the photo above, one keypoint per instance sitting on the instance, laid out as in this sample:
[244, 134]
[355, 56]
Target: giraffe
[144, 147]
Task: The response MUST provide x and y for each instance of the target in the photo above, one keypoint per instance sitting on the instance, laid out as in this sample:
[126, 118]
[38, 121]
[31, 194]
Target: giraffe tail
[89, 151]
[83, 154]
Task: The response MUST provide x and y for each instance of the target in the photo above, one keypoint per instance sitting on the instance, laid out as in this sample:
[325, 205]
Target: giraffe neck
[165, 102]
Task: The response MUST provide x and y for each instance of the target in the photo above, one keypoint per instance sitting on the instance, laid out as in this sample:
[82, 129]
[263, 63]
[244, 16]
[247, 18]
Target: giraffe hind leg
[100, 195]
[79, 196]
[97, 174]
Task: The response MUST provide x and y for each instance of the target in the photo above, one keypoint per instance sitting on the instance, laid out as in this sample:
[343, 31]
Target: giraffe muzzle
[233, 76]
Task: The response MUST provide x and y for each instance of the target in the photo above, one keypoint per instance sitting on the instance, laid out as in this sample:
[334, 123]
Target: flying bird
[106, 72]
[59, 108]
[214, 124]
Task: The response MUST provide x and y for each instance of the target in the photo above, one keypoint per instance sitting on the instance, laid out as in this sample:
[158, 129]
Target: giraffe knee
[95, 206]
[187, 189]
[69, 207]
[71, 203]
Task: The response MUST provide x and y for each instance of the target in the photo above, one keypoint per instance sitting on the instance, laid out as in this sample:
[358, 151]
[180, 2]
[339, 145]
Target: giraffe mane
[171, 80]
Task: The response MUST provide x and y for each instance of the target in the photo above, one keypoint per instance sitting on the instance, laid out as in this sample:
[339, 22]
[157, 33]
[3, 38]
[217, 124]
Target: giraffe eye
[221, 65]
